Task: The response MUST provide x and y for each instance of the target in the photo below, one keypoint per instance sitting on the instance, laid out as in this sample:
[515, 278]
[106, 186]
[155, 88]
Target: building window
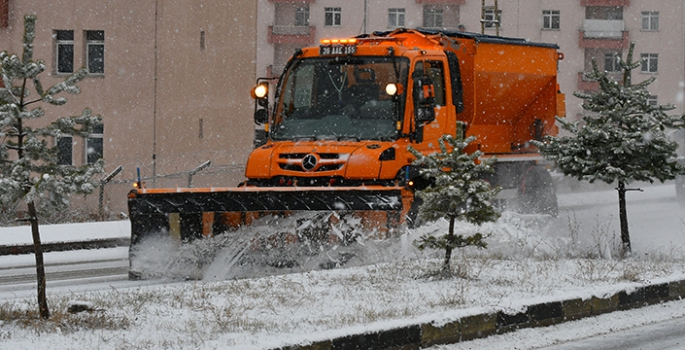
[652, 100]
[302, 16]
[650, 62]
[551, 19]
[650, 21]
[64, 51]
[95, 51]
[65, 154]
[333, 16]
[395, 18]
[94, 144]
[614, 13]
[489, 20]
[434, 70]
[611, 62]
[432, 17]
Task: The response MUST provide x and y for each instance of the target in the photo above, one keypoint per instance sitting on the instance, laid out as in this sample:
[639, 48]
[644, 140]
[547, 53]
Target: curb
[422, 335]
[65, 246]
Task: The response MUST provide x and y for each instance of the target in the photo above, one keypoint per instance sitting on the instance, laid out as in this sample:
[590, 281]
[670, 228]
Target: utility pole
[496, 17]
[482, 17]
[365, 16]
[154, 103]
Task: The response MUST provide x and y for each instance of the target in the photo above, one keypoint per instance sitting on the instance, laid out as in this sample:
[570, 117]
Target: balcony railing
[441, 2]
[601, 28]
[291, 30]
[292, 1]
[585, 84]
[623, 3]
[605, 43]
[603, 33]
[302, 35]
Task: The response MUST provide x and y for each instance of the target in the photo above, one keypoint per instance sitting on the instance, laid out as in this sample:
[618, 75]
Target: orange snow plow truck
[332, 133]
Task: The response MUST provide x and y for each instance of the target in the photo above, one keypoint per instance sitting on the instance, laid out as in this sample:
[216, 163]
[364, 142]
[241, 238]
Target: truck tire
[537, 192]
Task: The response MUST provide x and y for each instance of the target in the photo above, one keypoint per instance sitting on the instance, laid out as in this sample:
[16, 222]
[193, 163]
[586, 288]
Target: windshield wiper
[348, 138]
[303, 138]
[346, 61]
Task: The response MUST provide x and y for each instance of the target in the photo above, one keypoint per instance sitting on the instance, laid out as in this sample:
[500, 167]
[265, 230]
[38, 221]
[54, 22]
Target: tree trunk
[623, 217]
[448, 249]
[40, 265]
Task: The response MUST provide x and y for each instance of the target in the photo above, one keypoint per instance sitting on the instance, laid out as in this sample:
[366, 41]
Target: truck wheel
[537, 192]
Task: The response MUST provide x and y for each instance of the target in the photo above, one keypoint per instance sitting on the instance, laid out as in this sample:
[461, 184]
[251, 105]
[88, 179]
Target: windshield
[340, 98]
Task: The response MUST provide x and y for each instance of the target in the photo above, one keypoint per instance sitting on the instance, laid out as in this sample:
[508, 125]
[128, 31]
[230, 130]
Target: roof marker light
[334, 41]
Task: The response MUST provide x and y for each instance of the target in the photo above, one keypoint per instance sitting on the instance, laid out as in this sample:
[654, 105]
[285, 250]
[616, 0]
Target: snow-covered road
[66, 271]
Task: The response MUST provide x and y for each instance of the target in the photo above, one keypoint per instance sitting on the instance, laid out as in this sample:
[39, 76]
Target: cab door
[428, 133]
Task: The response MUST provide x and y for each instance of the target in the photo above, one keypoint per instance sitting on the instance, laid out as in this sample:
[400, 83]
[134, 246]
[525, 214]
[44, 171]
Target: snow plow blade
[188, 214]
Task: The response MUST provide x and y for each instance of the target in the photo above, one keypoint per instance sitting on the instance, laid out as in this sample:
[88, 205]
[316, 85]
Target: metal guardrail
[66, 246]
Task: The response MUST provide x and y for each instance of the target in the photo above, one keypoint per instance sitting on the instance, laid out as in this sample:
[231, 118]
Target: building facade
[171, 78]
[583, 29]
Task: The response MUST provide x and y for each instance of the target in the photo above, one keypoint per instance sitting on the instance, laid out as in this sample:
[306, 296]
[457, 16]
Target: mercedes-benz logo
[309, 162]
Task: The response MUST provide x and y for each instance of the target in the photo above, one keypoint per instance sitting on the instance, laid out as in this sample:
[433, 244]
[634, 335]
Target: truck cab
[346, 112]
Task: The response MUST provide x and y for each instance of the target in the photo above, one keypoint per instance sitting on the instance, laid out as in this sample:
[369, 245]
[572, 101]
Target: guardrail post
[196, 170]
[103, 182]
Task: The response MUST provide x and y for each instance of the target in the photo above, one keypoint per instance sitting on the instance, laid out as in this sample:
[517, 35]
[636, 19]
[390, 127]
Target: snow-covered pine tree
[457, 192]
[622, 139]
[29, 169]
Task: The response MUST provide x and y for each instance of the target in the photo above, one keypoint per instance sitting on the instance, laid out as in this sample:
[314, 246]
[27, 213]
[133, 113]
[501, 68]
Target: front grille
[329, 167]
[292, 155]
[329, 155]
[301, 155]
[324, 162]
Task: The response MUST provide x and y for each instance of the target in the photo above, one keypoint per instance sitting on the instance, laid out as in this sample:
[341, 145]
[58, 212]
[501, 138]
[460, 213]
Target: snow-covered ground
[66, 232]
[529, 260]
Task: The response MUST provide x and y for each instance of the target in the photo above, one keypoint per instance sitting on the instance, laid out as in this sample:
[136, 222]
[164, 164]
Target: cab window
[435, 71]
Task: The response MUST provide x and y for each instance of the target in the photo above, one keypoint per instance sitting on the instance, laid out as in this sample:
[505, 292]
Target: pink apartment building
[171, 78]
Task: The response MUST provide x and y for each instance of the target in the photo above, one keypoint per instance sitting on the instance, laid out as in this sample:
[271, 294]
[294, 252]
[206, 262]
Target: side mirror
[261, 116]
[424, 100]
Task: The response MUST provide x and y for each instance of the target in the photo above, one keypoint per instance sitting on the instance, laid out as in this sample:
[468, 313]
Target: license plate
[326, 50]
